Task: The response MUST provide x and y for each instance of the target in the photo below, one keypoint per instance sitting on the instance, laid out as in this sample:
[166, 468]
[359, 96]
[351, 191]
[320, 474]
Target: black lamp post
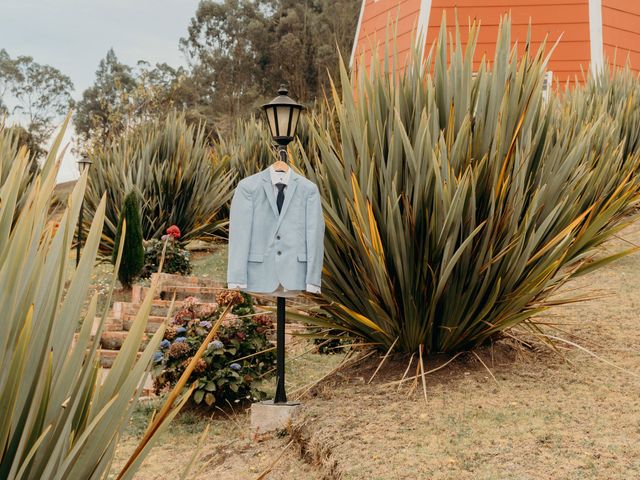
[83, 165]
[283, 115]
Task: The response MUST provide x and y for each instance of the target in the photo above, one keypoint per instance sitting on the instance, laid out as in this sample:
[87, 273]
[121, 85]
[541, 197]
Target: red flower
[174, 231]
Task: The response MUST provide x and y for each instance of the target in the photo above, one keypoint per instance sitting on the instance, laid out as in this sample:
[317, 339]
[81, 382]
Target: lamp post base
[267, 416]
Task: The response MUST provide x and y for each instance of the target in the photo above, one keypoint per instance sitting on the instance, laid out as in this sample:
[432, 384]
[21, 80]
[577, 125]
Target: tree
[8, 74]
[241, 50]
[103, 111]
[157, 90]
[133, 251]
[228, 45]
[123, 97]
[40, 93]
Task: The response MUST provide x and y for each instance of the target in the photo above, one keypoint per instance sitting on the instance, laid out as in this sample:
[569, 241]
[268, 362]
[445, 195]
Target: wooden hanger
[280, 166]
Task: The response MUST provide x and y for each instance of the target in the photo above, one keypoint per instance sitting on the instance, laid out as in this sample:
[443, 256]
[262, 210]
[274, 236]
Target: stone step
[153, 323]
[147, 389]
[159, 308]
[107, 357]
[182, 292]
[166, 279]
[114, 340]
[113, 325]
[110, 324]
[203, 294]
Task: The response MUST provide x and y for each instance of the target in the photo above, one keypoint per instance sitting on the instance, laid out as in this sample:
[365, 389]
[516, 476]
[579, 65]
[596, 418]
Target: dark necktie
[280, 197]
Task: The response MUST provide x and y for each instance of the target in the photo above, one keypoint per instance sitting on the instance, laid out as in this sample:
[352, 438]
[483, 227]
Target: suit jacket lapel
[288, 195]
[268, 190]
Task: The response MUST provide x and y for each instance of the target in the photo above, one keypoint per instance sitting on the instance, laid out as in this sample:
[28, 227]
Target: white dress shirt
[278, 176]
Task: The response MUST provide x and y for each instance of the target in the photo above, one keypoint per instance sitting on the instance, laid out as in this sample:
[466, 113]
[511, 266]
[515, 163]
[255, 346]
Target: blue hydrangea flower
[181, 330]
[235, 366]
[157, 357]
[205, 324]
[216, 345]
[180, 340]
[165, 344]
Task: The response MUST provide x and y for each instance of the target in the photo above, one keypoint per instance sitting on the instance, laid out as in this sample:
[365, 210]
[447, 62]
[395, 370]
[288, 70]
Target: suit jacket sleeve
[240, 221]
[315, 238]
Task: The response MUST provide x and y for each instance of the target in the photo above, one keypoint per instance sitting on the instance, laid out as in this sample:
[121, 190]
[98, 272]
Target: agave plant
[458, 200]
[170, 165]
[613, 92]
[9, 148]
[247, 150]
[60, 418]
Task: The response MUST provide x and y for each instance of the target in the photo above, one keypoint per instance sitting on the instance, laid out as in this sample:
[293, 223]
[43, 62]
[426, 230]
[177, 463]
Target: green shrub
[61, 418]
[171, 166]
[177, 259]
[456, 199]
[133, 254]
[232, 363]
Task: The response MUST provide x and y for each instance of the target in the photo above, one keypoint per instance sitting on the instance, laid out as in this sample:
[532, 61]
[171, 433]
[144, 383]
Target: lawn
[530, 413]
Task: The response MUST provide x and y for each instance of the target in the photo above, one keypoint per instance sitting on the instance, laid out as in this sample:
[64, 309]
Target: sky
[74, 35]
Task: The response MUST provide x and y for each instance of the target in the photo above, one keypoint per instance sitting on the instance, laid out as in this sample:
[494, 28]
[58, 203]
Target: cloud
[74, 35]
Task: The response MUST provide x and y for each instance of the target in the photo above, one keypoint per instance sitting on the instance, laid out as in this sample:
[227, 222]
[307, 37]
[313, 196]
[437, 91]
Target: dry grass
[544, 416]
[229, 452]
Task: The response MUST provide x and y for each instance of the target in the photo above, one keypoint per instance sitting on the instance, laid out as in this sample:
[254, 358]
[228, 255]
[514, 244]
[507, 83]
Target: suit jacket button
[279, 253]
[278, 237]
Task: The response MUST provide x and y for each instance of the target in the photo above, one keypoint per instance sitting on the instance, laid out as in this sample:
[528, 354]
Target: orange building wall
[380, 17]
[621, 31]
[548, 18]
[568, 20]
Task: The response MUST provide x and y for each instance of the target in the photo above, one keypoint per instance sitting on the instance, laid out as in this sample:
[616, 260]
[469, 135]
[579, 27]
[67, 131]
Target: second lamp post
[83, 165]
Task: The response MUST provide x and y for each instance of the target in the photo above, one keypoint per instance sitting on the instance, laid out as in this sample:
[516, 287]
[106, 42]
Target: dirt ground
[544, 415]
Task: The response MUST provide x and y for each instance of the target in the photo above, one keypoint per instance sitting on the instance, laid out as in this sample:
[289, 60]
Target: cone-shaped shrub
[133, 251]
[169, 163]
[457, 199]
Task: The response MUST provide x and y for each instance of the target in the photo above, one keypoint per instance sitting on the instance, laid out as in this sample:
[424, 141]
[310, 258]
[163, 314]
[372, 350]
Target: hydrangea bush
[239, 355]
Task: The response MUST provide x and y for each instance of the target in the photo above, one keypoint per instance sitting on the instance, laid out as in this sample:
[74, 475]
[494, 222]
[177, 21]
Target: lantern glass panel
[271, 117]
[294, 120]
[284, 112]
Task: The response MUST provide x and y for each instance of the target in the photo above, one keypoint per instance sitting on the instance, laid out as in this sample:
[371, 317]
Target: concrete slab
[267, 417]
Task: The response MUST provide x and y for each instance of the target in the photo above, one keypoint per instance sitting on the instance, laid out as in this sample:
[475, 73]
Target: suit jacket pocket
[256, 257]
[302, 257]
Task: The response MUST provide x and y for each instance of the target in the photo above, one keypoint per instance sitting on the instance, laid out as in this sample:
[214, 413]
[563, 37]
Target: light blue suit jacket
[267, 249]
